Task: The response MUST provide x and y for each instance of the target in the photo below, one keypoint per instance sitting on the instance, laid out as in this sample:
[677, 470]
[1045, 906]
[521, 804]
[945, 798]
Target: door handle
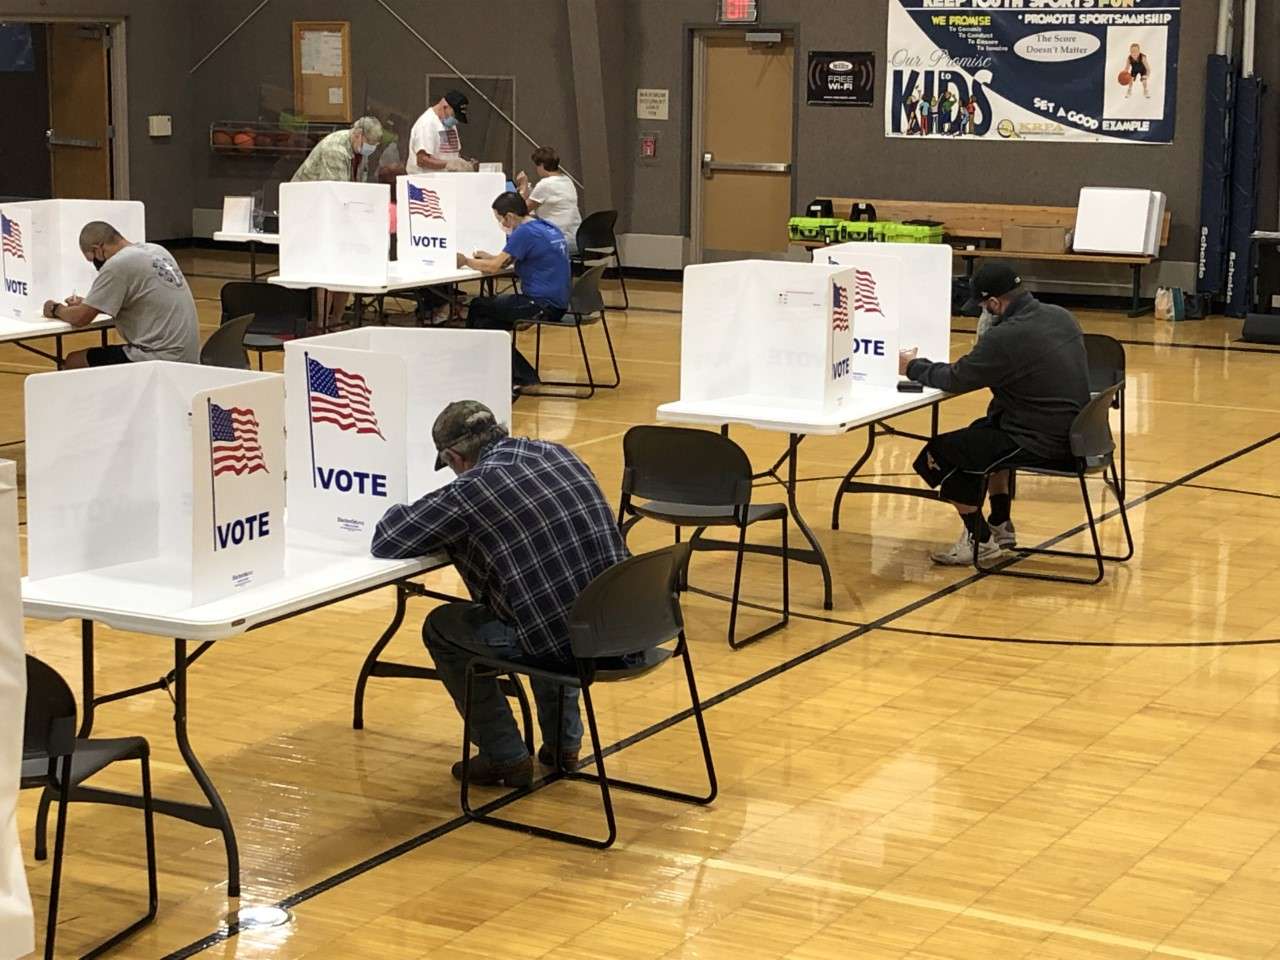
[710, 166]
[53, 140]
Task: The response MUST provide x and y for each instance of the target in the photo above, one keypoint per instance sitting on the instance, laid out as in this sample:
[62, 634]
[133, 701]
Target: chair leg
[713, 786]
[1124, 519]
[537, 349]
[737, 584]
[1093, 526]
[514, 686]
[586, 361]
[622, 277]
[786, 574]
[59, 846]
[613, 356]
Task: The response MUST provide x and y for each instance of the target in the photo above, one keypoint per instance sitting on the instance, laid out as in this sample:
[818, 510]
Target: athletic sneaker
[960, 554]
[1004, 535]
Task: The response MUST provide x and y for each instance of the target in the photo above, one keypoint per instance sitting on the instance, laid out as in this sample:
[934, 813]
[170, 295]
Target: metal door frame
[697, 96]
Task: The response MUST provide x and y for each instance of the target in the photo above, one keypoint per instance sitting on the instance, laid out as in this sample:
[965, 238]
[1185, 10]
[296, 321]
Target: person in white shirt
[434, 141]
[553, 198]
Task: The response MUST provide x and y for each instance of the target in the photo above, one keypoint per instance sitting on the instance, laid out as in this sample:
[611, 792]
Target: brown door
[79, 112]
[745, 152]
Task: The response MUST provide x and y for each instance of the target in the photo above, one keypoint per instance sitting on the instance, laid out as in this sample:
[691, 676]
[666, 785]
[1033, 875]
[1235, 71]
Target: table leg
[848, 477]
[59, 358]
[1135, 305]
[253, 261]
[372, 666]
[818, 557]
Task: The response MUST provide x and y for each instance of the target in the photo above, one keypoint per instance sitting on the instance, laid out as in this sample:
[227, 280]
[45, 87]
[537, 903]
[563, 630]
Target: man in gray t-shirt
[141, 287]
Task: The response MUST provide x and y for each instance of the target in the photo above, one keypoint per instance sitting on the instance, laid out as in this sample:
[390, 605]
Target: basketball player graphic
[1137, 67]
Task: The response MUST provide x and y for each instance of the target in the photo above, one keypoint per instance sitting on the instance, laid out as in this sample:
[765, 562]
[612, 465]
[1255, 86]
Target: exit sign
[739, 11]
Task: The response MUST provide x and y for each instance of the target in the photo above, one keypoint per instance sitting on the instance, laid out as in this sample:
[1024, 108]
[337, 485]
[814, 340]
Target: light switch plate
[160, 125]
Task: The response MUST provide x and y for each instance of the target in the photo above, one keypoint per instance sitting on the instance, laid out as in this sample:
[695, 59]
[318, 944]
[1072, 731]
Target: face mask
[366, 149]
[449, 122]
[98, 262]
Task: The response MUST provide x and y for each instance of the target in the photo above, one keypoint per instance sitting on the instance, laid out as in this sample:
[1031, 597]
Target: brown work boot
[485, 773]
[568, 758]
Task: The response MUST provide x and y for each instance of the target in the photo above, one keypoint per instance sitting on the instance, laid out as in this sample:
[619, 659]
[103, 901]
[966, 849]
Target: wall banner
[1068, 70]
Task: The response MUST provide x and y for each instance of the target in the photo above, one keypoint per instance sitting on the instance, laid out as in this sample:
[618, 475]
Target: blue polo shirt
[542, 261]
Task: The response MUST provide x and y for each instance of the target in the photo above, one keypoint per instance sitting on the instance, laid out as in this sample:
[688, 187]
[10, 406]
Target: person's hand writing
[462, 261]
[904, 359]
[74, 301]
[482, 255]
[522, 180]
[50, 306]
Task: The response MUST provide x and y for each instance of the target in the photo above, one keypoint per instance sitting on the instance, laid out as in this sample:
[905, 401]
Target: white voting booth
[335, 232]
[16, 926]
[157, 478]
[1119, 220]
[767, 334]
[427, 224]
[903, 295]
[360, 408]
[474, 193]
[41, 249]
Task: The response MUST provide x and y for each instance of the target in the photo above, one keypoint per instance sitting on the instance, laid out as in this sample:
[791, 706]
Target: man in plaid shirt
[527, 527]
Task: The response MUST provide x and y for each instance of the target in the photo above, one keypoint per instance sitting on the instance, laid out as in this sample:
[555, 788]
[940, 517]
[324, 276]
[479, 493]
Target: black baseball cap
[459, 103]
[993, 279]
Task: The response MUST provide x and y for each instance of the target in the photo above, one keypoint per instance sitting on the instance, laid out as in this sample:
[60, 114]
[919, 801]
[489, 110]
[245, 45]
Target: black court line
[785, 666]
[1218, 347]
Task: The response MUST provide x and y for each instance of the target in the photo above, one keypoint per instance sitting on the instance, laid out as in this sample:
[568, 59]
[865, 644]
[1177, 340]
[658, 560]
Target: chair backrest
[632, 606]
[49, 727]
[1091, 439]
[596, 231]
[225, 346]
[585, 300]
[682, 465]
[278, 310]
[1106, 361]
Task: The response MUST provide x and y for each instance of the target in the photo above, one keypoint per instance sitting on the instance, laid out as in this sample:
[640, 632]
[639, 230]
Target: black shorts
[956, 461]
[107, 356]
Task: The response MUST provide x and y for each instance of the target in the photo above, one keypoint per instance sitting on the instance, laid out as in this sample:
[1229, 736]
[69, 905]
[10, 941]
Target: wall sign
[1076, 70]
[842, 79]
[738, 11]
[653, 104]
[648, 146]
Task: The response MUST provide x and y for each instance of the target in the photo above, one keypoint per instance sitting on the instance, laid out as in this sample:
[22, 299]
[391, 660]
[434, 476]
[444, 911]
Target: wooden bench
[985, 222]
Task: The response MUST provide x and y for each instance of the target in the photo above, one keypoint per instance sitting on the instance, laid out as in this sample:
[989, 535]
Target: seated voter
[527, 527]
[554, 198]
[541, 259]
[434, 141]
[1032, 358]
[140, 286]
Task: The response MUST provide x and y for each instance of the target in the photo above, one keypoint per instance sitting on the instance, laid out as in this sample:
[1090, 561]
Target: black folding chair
[598, 244]
[279, 313]
[616, 629]
[225, 346]
[699, 479]
[1092, 449]
[54, 759]
[586, 306]
[1107, 369]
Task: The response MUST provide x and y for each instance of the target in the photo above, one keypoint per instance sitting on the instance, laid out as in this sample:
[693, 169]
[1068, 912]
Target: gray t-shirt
[145, 291]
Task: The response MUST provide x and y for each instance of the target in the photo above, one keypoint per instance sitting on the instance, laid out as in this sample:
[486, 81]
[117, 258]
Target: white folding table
[18, 332]
[252, 238]
[871, 407]
[141, 598]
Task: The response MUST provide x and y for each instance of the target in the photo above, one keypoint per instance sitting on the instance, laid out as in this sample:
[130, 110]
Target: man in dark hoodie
[1033, 360]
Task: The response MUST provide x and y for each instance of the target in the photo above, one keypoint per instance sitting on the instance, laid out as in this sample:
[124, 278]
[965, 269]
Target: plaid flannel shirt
[527, 528]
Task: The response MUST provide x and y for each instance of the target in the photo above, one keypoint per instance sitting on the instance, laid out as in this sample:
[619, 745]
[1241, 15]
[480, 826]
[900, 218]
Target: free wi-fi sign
[842, 79]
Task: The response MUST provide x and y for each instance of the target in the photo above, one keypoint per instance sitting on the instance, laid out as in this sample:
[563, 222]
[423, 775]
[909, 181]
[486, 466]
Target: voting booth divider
[427, 224]
[16, 926]
[902, 301]
[41, 257]
[474, 192]
[339, 232]
[166, 476]
[360, 407]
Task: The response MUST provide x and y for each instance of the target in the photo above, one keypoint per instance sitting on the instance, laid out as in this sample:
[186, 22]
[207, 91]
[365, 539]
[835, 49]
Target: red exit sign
[739, 11]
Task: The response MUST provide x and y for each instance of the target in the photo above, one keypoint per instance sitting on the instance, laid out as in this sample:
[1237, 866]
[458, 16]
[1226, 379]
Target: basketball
[1125, 78]
[243, 141]
[221, 138]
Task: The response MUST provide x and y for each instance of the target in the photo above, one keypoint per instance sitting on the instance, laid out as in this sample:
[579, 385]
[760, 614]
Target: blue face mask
[366, 149]
[449, 122]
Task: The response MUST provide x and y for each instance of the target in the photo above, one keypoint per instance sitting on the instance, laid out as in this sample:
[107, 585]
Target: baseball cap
[457, 421]
[459, 103]
[991, 280]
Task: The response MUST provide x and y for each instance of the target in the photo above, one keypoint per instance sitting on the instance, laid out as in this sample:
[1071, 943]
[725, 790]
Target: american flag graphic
[233, 435]
[864, 293]
[839, 307]
[341, 398]
[425, 203]
[12, 235]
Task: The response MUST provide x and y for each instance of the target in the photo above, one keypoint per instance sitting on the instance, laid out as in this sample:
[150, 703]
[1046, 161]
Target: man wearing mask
[140, 286]
[541, 257]
[434, 142]
[1032, 358]
[339, 155]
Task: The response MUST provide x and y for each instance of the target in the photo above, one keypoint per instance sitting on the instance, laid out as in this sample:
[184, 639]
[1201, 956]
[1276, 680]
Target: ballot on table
[769, 334]
[360, 408]
[478, 229]
[47, 245]
[336, 232]
[158, 473]
[17, 933]
[903, 291]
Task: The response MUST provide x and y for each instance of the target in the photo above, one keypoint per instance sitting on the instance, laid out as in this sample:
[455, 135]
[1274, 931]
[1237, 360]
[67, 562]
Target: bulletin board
[322, 69]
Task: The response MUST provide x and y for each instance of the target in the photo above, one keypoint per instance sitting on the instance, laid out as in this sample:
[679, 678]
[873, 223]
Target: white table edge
[670, 412]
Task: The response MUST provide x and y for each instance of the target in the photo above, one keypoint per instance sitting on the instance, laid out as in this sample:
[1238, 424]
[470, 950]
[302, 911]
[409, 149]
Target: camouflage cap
[457, 421]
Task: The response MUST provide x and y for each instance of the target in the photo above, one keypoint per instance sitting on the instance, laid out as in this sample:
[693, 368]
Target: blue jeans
[503, 313]
[455, 634]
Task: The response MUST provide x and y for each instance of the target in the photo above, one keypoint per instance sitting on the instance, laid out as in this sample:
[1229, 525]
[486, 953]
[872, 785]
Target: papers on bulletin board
[322, 55]
[335, 95]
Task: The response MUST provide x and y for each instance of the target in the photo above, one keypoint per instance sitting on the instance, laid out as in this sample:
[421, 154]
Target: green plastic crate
[814, 229]
[913, 233]
[863, 231]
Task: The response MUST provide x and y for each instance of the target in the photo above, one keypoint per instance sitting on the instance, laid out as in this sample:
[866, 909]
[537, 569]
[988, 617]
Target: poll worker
[527, 527]
[141, 287]
[541, 258]
[553, 198]
[1032, 358]
[434, 142]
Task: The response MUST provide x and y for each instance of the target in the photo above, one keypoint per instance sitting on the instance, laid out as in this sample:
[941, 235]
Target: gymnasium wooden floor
[940, 767]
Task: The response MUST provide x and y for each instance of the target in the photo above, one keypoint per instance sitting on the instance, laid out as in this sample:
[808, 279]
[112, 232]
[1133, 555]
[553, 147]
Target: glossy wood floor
[940, 767]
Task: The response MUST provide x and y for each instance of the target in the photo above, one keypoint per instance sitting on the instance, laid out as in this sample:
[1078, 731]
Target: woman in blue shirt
[541, 258]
